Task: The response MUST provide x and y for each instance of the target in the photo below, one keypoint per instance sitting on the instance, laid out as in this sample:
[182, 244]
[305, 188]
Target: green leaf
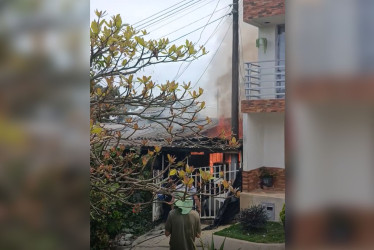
[212, 244]
[118, 21]
[191, 50]
[140, 40]
[129, 80]
[173, 48]
[95, 27]
[96, 130]
[173, 172]
[108, 59]
[98, 13]
[202, 105]
[112, 40]
[223, 244]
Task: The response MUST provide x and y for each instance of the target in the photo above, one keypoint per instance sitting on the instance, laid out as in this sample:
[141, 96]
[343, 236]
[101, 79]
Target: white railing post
[213, 196]
[265, 80]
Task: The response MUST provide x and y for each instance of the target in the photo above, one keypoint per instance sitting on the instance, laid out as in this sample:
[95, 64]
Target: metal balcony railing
[265, 80]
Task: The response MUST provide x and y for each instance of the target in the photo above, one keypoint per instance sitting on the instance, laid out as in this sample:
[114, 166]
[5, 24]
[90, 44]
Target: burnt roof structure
[152, 134]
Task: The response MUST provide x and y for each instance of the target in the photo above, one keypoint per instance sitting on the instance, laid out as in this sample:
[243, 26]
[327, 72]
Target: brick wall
[262, 8]
[266, 106]
[251, 180]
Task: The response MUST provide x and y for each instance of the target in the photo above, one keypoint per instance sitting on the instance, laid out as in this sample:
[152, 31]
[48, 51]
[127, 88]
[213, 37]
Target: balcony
[265, 80]
[262, 13]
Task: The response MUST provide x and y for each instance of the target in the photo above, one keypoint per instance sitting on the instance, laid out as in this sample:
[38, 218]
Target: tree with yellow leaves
[121, 95]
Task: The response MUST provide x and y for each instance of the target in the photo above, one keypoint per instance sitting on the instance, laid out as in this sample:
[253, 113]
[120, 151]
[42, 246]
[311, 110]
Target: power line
[215, 30]
[199, 28]
[184, 70]
[196, 30]
[158, 19]
[200, 38]
[193, 22]
[162, 26]
[215, 53]
[208, 21]
[157, 13]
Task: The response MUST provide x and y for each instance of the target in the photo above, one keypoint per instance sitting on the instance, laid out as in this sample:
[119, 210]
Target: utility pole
[235, 78]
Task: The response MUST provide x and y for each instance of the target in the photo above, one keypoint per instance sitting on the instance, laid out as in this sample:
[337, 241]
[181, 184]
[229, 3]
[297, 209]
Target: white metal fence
[211, 195]
[157, 206]
[265, 80]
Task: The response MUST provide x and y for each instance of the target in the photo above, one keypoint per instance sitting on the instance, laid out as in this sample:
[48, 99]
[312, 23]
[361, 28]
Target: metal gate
[213, 195]
[157, 206]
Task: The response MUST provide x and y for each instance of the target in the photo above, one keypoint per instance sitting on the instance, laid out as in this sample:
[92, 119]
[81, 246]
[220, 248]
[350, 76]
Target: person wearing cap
[183, 223]
[191, 191]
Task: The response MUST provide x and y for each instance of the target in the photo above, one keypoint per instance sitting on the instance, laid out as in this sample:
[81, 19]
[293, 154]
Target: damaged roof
[153, 134]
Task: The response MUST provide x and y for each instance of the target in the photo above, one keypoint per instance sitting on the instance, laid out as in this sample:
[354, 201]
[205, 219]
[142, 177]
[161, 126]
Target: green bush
[119, 217]
[282, 215]
[253, 219]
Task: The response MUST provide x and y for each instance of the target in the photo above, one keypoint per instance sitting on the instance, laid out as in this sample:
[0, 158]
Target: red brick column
[251, 180]
[262, 8]
[263, 106]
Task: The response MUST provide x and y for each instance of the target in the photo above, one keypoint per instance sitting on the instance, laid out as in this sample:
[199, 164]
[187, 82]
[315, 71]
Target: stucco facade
[263, 109]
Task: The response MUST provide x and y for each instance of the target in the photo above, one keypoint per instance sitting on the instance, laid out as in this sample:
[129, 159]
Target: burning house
[205, 152]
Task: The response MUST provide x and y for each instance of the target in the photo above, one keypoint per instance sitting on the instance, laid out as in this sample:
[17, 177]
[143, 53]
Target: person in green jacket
[183, 224]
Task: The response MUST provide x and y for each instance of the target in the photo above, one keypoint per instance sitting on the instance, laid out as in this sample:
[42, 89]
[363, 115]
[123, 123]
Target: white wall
[273, 140]
[263, 133]
[263, 140]
[270, 33]
[249, 199]
[253, 142]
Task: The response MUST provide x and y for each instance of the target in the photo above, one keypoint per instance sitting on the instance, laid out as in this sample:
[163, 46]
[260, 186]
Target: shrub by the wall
[253, 218]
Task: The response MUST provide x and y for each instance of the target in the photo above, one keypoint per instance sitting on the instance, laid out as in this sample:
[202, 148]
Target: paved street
[158, 241]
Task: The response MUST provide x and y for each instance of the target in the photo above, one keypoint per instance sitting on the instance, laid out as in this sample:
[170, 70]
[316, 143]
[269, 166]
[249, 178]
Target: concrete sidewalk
[156, 239]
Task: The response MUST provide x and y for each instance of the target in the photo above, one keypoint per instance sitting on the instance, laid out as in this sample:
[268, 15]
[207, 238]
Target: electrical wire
[158, 19]
[208, 21]
[199, 7]
[140, 21]
[213, 33]
[177, 76]
[195, 30]
[194, 22]
[199, 28]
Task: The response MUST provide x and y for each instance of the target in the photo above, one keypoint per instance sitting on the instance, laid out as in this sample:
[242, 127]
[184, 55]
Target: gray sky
[211, 37]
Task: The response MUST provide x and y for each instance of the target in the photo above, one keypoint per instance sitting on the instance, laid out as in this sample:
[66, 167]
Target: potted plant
[262, 42]
[266, 177]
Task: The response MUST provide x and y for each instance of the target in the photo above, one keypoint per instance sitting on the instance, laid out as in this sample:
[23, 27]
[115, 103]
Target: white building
[263, 108]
